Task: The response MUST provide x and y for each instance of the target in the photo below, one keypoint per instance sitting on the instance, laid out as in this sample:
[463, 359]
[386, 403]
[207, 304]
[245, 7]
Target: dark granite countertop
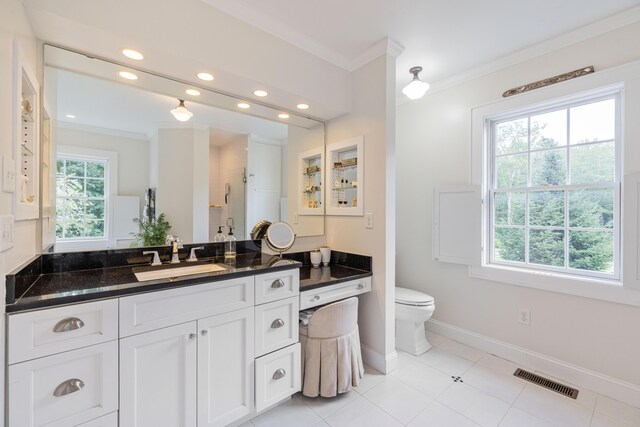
[313, 278]
[66, 287]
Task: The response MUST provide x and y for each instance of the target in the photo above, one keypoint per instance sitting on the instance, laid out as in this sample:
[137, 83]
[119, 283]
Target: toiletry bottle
[230, 246]
[219, 237]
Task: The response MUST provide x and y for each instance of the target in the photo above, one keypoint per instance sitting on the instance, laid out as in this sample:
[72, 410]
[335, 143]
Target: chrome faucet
[192, 254]
[175, 244]
[156, 257]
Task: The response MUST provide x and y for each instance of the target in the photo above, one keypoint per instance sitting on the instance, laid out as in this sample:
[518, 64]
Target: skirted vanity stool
[331, 356]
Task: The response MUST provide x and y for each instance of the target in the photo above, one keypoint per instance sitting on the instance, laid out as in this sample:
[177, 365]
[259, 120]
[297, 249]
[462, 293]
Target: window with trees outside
[554, 189]
[81, 202]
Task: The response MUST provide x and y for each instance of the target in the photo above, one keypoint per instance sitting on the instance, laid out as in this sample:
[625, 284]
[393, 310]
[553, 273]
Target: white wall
[373, 117]
[133, 157]
[233, 157]
[434, 149]
[183, 187]
[13, 24]
[263, 183]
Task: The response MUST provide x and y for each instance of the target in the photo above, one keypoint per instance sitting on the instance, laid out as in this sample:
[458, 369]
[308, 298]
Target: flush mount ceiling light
[133, 54]
[205, 76]
[244, 105]
[260, 93]
[416, 88]
[283, 116]
[181, 113]
[192, 92]
[302, 106]
[128, 75]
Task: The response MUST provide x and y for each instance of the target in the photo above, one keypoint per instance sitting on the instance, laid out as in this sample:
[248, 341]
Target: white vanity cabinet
[158, 376]
[182, 357]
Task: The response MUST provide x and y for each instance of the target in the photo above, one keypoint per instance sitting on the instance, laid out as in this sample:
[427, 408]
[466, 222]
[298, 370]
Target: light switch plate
[8, 175]
[369, 219]
[6, 232]
[295, 217]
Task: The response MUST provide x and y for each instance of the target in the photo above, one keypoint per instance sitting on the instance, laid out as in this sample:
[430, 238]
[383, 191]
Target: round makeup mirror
[280, 237]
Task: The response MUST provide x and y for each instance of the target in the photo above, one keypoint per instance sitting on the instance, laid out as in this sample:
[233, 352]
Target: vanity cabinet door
[225, 368]
[158, 378]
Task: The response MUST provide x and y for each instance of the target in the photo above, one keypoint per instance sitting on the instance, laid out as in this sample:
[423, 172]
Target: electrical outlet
[369, 220]
[8, 175]
[6, 232]
[524, 316]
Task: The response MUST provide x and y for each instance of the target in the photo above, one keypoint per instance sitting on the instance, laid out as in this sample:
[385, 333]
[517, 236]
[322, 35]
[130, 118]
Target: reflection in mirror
[118, 157]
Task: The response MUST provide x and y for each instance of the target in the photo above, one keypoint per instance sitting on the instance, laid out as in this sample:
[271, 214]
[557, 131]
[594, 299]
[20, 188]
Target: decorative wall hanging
[550, 81]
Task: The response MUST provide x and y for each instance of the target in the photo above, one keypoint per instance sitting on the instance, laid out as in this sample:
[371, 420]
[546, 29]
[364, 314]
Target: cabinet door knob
[278, 323]
[204, 332]
[68, 324]
[360, 286]
[278, 283]
[280, 373]
[68, 387]
[316, 297]
[191, 336]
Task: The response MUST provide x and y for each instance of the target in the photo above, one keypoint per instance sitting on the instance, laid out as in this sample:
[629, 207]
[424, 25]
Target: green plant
[152, 233]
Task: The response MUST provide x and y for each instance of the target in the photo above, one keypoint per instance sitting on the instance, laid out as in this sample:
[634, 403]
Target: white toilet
[413, 308]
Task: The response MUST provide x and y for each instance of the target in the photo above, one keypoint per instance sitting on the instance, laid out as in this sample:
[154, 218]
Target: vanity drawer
[155, 310]
[278, 376]
[276, 325]
[66, 389]
[325, 295]
[54, 330]
[278, 285]
[110, 420]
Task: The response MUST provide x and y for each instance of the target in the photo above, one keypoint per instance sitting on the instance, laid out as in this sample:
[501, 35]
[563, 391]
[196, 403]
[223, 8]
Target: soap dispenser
[219, 237]
[230, 246]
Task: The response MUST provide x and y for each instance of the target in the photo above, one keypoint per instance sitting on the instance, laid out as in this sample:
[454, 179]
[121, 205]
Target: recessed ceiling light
[205, 76]
[260, 93]
[283, 116]
[192, 92]
[128, 75]
[70, 116]
[244, 105]
[302, 106]
[133, 54]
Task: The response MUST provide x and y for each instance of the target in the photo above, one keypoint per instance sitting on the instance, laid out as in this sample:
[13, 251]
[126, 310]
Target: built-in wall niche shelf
[345, 186]
[26, 131]
[311, 182]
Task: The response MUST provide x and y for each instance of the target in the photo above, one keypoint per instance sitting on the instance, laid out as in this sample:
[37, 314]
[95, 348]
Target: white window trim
[111, 183]
[600, 83]
[489, 256]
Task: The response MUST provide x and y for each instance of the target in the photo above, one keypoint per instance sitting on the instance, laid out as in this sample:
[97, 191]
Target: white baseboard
[615, 388]
[379, 362]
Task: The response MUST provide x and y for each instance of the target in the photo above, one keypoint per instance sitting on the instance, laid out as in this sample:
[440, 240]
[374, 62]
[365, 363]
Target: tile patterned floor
[423, 391]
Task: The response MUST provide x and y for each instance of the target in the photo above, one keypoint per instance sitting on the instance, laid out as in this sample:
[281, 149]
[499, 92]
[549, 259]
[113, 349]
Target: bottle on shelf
[219, 237]
[230, 246]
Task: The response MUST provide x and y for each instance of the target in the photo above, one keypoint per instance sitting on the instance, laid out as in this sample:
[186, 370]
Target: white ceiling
[121, 108]
[445, 37]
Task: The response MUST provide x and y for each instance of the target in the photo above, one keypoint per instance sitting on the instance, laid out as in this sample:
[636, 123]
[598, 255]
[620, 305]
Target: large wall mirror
[113, 155]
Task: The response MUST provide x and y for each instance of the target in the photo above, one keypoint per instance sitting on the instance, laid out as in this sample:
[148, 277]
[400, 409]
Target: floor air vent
[543, 382]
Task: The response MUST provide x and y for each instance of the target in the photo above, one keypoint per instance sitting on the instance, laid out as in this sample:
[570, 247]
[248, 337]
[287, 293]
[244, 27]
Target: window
[554, 189]
[81, 198]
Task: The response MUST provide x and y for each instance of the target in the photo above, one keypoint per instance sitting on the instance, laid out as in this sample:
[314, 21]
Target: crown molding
[385, 46]
[101, 130]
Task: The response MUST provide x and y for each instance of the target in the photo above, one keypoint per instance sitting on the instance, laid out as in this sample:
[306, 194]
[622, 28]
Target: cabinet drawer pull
[278, 283]
[316, 297]
[68, 324]
[360, 286]
[68, 387]
[278, 323]
[280, 373]
[204, 332]
[191, 336]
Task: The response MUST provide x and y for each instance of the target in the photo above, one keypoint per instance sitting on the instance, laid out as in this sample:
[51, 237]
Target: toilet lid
[411, 297]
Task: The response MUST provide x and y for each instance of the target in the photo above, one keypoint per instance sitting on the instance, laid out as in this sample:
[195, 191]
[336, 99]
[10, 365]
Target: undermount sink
[167, 273]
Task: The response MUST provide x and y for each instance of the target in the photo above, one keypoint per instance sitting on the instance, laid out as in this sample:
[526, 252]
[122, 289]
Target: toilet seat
[406, 296]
